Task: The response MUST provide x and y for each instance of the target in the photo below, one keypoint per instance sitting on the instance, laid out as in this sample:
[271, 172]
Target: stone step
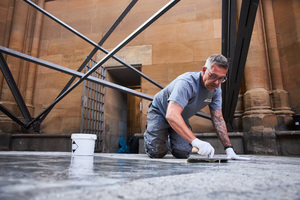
[41, 142]
[236, 139]
[285, 143]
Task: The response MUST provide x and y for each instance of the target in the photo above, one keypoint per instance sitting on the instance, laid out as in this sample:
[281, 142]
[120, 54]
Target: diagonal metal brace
[79, 74]
[73, 73]
[14, 88]
[89, 57]
[93, 43]
[109, 55]
[200, 113]
[245, 28]
[11, 115]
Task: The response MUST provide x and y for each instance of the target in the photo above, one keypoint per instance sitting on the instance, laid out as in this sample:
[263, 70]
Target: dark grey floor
[56, 175]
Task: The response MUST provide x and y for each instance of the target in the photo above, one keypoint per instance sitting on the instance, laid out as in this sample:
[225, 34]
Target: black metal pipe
[224, 27]
[14, 88]
[224, 50]
[105, 83]
[101, 42]
[203, 115]
[232, 35]
[79, 74]
[245, 28]
[89, 57]
[109, 55]
[92, 42]
[73, 72]
[11, 115]
[229, 9]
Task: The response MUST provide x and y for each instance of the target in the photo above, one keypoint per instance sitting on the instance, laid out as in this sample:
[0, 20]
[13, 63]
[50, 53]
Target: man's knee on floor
[180, 153]
[156, 154]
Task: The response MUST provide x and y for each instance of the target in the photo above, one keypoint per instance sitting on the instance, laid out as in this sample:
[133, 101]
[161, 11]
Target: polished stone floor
[57, 175]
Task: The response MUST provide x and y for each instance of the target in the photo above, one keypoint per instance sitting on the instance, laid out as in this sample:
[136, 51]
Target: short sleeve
[181, 93]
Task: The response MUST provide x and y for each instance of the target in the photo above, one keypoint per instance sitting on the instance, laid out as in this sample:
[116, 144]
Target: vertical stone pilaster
[280, 101]
[259, 120]
[6, 35]
[31, 77]
[16, 42]
[238, 114]
[256, 98]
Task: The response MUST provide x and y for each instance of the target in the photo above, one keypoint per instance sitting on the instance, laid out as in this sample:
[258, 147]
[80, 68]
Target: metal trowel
[194, 159]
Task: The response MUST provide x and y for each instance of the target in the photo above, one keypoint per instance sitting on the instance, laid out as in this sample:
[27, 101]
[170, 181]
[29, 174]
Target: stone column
[238, 114]
[280, 101]
[16, 42]
[259, 120]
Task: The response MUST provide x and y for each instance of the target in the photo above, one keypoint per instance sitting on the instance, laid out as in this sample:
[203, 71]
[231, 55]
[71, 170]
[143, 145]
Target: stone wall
[178, 42]
[287, 23]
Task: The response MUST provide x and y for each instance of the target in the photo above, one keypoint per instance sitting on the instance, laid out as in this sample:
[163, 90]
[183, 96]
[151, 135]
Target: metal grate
[92, 105]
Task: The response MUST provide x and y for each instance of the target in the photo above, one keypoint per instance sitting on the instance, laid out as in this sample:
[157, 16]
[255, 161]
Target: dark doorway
[128, 78]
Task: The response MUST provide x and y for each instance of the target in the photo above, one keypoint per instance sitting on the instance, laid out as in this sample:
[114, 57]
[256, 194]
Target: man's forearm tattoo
[220, 126]
[173, 102]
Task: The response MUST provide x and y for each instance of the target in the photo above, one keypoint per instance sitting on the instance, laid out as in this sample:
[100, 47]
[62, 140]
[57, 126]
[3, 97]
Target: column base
[284, 122]
[261, 143]
[237, 122]
[258, 115]
[259, 121]
[282, 110]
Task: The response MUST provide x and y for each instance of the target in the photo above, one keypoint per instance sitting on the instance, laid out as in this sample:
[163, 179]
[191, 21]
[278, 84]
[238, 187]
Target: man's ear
[204, 69]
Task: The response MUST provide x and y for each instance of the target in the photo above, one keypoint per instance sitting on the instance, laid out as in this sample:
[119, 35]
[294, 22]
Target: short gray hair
[217, 59]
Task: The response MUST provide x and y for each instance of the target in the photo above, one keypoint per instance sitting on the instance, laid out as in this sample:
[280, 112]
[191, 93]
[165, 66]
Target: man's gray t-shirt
[188, 91]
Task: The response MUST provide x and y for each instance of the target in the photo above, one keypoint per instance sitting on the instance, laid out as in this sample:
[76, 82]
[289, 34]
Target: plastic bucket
[83, 144]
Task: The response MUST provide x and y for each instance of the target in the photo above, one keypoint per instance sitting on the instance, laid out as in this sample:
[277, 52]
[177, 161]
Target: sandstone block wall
[178, 42]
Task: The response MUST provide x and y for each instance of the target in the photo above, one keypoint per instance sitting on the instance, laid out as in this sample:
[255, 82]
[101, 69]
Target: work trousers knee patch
[180, 154]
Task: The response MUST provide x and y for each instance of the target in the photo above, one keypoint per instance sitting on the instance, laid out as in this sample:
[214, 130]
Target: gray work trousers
[159, 137]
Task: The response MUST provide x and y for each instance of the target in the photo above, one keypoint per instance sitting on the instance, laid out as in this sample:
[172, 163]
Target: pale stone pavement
[58, 175]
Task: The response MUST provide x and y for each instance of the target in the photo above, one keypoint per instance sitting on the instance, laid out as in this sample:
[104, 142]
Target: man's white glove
[231, 155]
[204, 148]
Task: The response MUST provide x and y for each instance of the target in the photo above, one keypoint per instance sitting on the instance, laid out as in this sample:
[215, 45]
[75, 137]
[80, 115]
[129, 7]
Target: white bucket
[83, 144]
